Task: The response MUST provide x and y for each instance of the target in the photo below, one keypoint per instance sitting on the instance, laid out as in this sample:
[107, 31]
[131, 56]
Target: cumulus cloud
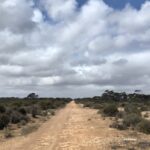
[57, 49]
[16, 16]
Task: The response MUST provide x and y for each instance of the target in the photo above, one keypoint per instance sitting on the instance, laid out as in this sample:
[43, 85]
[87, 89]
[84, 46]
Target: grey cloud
[120, 62]
[74, 52]
[16, 15]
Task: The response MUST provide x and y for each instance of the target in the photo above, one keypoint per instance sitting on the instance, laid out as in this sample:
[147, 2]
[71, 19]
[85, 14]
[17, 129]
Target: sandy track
[72, 128]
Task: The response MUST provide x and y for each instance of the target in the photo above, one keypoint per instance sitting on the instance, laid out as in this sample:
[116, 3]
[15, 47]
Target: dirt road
[72, 128]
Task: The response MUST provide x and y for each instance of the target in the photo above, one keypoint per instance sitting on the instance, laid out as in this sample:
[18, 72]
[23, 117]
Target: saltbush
[120, 114]
[144, 126]
[15, 117]
[110, 110]
[4, 121]
[34, 112]
[22, 111]
[119, 126]
[132, 108]
[131, 120]
[2, 109]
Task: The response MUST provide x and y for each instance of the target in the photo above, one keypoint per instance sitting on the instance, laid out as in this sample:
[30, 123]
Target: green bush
[118, 126]
[110, 110]
[144, 126]
[131, 119]
[45, 105]
[88, 105]
[4, 121]
[52, 113]
[34, 112]
[132, 108]
[97, 106]
[22, 123]
[22, 111]
[120, 114]
[29, 129]
[144, 108]
[16, 111]
[17, 117]
[17, 104]
[7, 133]
[2, 109]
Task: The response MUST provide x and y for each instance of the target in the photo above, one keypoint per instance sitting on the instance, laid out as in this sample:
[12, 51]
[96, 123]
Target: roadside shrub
[131, 108]
[45, 105]
[120, 114]
[100, 112]
[131, 120]
[29, 129]
[22, 123]
[144, 126]
[88, 104]
[17, 104]
[44, 113]
[7, 133]
[34, 112]
[15, 117]
[97, 106]
[52, 113]
[119, 126]
[4, 121]
[24, 118]
[144, 108]
[146, 115]
[2, 109]
[22, 111]
[110, 110]
[9, 111]
[55, 105]
[122, 104]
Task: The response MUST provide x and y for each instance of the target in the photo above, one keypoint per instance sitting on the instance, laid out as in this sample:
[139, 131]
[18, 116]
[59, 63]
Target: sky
[74, 48]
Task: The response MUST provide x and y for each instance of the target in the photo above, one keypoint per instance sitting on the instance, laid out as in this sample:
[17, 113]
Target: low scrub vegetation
[131, 120]
[4, 120]
[144, 126]
[125, 108]
[29, 129]
[20, 112]
[110, 110]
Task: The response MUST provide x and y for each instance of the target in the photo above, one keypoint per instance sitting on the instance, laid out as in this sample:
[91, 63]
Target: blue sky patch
[118, 4]
[81, 2]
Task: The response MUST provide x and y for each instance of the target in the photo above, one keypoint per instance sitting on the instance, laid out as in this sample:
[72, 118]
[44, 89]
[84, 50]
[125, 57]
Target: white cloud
[75, 52]
[16, 16]
[60, 9]
[37, 16]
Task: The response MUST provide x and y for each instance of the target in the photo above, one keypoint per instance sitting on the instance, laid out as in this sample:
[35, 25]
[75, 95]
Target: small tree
[32, 96]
